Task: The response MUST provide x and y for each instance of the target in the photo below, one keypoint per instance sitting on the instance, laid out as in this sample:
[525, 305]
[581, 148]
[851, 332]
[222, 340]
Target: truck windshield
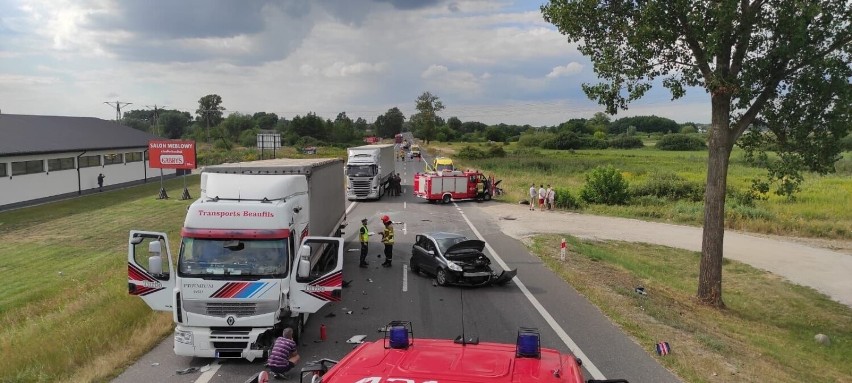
[220, 258]
[361, 170]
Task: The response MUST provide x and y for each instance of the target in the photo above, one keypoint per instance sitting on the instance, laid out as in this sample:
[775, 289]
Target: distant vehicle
[454, 259]
[406, 145]
[368, 170]
[399, 358]
[415, 151]
[443, 164]
[372, 140]
[397, 139]
[452, 186]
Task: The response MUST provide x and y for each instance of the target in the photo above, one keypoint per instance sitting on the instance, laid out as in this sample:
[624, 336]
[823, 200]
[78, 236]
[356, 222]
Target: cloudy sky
[488, 60]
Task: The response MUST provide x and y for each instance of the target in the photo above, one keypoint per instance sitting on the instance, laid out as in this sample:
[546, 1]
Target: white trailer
[247, 267]
[368, 170]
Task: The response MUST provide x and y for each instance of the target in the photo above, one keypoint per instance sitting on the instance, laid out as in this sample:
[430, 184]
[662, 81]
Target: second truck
[248, 264]
[368, 170]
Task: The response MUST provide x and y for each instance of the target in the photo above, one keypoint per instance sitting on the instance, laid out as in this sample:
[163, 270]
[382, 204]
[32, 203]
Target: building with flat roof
[49, 157]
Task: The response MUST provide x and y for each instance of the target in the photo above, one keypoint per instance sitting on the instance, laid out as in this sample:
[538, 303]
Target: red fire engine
[449, 186]
[399, 358]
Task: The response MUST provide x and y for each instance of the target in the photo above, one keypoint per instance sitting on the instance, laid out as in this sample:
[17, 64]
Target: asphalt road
[376, 296]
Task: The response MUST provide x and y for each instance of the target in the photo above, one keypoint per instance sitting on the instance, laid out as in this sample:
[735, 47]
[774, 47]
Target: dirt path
[824, 265]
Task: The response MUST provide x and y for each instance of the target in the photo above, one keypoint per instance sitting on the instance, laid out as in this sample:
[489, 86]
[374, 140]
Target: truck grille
[361, 187]
[222, 309]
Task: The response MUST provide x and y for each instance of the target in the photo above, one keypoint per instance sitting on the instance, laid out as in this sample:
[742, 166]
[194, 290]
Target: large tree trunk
[721, 143]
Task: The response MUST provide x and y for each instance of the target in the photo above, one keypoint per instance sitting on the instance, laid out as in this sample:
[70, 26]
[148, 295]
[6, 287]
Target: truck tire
[446, 199]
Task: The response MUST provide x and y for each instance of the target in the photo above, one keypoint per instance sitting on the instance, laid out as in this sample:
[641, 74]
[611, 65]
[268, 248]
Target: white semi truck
[248, 265]
[368, 170]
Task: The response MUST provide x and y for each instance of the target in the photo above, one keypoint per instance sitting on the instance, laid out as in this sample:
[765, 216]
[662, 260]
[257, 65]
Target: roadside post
[562, 249]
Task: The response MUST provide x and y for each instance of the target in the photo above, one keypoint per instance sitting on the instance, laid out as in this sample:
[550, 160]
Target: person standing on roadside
[387, 240]
[364, 238]
[551, 196]
[101, 177]
[533, 197]
[542, 194]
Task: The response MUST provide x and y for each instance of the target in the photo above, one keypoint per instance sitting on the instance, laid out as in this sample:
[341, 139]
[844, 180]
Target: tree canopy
[784, 65]
[426, 119]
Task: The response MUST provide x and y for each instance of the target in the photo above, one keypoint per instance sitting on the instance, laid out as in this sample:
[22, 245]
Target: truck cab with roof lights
[400, 358]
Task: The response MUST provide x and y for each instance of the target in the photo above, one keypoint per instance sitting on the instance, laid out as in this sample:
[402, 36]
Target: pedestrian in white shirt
[551, 196]
[542, 194]
[533, 197]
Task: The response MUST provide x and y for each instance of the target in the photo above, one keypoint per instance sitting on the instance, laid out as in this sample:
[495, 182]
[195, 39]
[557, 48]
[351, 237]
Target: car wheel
[415, 268]
[446, 199]
[441, 277]
[487, 197]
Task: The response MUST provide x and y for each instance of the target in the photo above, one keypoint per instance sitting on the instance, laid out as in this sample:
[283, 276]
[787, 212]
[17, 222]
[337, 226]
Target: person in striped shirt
[283, 356]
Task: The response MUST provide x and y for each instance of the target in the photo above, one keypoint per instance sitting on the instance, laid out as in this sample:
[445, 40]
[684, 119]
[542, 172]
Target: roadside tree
[785, 63]
[426, 118]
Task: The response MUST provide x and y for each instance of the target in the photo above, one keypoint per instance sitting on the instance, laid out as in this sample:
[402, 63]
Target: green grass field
[65, 314]
[822, 209]
[766, 333]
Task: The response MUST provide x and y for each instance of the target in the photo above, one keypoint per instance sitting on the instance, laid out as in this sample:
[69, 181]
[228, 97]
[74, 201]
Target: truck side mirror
[304, 268]
[155, 260]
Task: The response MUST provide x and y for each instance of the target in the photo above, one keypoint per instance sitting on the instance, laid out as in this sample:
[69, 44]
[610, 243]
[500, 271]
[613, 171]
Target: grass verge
[65, 314]
[766, 333]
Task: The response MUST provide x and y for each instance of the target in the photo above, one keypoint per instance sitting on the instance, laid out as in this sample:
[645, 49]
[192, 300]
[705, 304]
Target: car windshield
[442, 167]
[220, 258]
[446, 243]
[361, 170]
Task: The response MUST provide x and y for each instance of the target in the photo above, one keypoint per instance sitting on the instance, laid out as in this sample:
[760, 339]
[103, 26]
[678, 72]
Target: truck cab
[247, 266]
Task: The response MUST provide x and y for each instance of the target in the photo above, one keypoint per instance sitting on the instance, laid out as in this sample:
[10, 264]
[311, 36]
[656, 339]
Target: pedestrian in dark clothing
[101, 177]
[283, 356]
[387, 239]
[364, 237]
[398, 181]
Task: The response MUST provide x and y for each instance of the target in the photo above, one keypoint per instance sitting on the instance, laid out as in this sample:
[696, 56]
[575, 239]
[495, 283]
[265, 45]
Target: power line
[118, 106]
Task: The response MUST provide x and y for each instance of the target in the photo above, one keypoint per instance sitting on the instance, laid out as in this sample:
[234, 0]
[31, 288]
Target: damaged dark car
[455, 260]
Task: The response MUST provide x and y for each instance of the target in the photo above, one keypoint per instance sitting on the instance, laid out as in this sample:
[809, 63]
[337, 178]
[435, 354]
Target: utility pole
[207, 119]
[156, 118]
[118, 106]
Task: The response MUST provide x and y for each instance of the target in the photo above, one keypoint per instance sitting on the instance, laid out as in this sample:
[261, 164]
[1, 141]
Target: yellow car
[443, 164]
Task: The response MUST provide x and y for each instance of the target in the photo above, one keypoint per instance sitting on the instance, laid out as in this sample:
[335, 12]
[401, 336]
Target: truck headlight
[453, 266]
[184, 337]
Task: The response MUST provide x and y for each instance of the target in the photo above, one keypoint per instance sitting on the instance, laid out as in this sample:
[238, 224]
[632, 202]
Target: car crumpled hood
[471, 248]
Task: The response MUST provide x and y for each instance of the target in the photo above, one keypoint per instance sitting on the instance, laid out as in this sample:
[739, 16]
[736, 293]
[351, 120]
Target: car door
[418, 254]
[432, 256]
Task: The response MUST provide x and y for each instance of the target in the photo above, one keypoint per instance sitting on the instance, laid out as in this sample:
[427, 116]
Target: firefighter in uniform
[364, 237]
[387, 239]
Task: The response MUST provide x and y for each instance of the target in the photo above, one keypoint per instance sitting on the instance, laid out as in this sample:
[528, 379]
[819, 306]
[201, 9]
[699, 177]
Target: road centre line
[404, 277]
[587, 363]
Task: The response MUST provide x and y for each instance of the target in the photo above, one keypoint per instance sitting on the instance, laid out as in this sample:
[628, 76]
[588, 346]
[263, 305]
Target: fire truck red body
[451, 186]
[445, 361]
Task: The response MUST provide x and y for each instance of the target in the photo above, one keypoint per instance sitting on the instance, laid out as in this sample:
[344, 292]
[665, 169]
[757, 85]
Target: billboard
[171, 154]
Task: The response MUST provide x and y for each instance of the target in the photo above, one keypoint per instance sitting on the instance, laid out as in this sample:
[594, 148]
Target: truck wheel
[441, 277]
[446, 198]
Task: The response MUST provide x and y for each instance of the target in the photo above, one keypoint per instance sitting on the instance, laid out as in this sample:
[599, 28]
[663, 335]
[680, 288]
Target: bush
[605, 185]
[846, 143]
[496, 151]
[670, 186]
[564, 199]
[681, 142]
[625, 142]
[471, 153]
[593, 143]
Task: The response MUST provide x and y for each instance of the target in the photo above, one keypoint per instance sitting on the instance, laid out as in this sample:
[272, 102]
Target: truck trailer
[260, 251]
[368, 170]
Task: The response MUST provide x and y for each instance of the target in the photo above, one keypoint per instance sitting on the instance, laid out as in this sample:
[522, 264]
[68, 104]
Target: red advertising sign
[171, 154]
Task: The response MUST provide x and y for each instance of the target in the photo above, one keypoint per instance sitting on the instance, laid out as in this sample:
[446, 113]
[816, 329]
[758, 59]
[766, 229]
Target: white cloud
[566, 70]
[14, 80]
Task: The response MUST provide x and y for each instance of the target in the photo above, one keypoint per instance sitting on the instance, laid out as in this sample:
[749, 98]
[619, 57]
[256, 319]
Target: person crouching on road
[283, 356]
[364, 237]
[387, 239]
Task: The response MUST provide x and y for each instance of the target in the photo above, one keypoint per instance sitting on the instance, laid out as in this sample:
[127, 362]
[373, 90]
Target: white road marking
[351, 206]
[404, 277]
[587, 363]
[207, 375]
[405, 205]
[404, 228]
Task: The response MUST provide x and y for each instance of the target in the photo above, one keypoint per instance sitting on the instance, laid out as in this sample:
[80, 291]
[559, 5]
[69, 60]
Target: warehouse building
[49, 157]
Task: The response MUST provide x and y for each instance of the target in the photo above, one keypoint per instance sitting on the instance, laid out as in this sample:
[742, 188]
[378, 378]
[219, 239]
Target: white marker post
[562, 250]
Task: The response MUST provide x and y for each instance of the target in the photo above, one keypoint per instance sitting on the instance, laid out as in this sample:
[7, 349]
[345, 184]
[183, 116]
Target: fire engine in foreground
[399, 358]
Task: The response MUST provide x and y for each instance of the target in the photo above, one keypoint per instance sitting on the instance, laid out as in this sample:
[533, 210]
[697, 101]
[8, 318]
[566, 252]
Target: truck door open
[149, 269]
[318, 274]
